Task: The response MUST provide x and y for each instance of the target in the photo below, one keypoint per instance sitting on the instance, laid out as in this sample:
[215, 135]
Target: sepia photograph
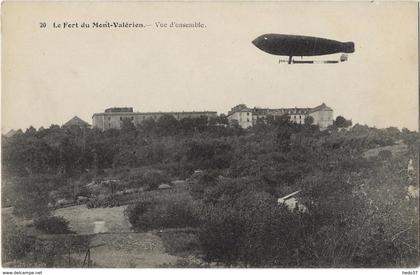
[183, 134]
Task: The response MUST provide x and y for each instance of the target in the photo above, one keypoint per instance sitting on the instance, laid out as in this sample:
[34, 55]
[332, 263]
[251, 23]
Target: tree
[341, 122]
[284, 131]
[167, 125]
[31, 130]
[128, 133]
[249, 229]
[15, 243]
[309, 120]
[70, 156]
[153, 178]
[222, 119]
[31, 197]
[187, 124]
[209, 154]
[148, 125]
[52, 225]
[127, 126]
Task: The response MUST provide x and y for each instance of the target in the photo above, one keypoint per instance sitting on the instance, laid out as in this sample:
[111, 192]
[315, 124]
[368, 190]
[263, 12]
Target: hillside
[217, 186]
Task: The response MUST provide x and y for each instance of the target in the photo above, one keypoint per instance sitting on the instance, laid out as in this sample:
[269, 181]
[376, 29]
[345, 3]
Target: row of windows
[131, 118]
[294, 117]
[154, 117]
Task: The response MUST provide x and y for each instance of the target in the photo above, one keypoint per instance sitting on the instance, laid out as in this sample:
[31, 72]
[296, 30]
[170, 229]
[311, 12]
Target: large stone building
[112, 118]
[246, 117]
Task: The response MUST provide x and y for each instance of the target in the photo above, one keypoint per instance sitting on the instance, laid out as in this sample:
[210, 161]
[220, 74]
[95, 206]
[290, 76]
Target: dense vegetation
[359, 213]
[52, 225]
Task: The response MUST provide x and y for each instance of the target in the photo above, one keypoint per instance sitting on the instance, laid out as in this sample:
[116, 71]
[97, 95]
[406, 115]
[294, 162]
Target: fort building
[247, 117]
[112, 118]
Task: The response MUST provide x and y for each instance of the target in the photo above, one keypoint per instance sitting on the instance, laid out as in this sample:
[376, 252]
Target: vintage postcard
[210, 135]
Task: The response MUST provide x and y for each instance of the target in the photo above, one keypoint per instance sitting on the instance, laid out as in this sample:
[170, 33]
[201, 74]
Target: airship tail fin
[348, 47]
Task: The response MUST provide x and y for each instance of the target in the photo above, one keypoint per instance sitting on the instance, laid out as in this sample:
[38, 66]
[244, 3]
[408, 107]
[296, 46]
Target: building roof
[76, 121]
[239, 108]
[322, 107]
[278, 111]
[260, 111]
[164, 186]
[119, 110]
[155, 113]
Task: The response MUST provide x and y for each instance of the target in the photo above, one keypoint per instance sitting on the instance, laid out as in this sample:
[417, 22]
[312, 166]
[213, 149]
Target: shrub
[180, 243]
[202, 181]
[153, 178]
[136, 213]
[251, 231]
[385, 155]
[154, 214]
[52, 225]
[147, 178]
[107, 201]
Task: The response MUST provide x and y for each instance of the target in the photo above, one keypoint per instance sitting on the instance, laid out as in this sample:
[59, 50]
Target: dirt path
[118, 247]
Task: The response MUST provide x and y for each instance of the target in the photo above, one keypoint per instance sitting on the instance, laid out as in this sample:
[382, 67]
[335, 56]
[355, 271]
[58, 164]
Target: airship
[300, 45]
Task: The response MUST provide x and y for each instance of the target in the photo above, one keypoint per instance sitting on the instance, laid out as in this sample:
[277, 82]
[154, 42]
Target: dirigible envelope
[299, 45]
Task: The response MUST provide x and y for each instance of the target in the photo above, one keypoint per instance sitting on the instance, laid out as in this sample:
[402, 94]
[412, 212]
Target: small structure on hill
[164, 186]
[413, 192]
[292, 203]
[179, 183]
[99, 227]
[410, 166]
[76, 122]
[13, 133]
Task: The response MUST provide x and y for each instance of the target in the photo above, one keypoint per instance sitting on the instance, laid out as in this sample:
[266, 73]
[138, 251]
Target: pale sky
[50, 75]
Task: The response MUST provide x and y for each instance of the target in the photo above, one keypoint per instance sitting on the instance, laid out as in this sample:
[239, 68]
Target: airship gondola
[299, 45]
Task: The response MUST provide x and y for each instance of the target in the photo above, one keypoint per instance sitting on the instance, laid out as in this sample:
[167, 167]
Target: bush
[153, 178]
[52, 225]
[202, 181]
[107, 201]
[385, 155]
[146, 178]
[154, 214]
[180, 243]
[251, 231]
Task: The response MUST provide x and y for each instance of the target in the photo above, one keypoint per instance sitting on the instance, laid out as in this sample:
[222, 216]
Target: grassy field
[120, 246]
[396, 149]
[82, 219]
